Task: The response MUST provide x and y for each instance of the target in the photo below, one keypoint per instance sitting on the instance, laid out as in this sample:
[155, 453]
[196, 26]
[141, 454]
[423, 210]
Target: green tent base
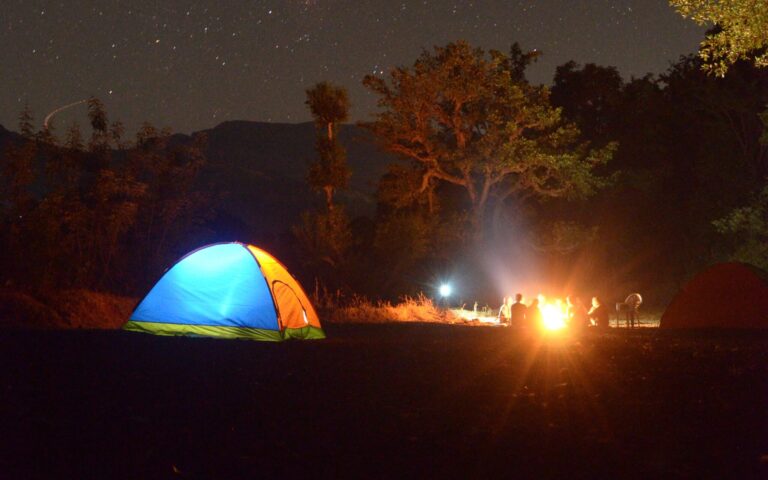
[167, 329]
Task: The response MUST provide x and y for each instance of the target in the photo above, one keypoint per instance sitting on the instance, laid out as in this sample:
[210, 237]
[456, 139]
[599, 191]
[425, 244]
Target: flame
[553, 316]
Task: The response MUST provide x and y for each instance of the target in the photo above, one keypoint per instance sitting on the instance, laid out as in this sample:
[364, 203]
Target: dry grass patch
[409, 309]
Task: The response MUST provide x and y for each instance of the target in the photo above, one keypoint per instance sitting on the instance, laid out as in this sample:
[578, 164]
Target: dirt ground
[385, 401]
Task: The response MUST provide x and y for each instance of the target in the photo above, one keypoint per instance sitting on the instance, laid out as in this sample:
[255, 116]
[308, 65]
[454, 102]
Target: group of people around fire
[513, 312]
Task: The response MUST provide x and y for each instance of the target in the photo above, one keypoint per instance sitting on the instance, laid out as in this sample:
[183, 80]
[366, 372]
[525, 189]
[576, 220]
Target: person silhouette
[505, 313]
[518, 312]
[533, 314]
[599, 315]
[578, 316]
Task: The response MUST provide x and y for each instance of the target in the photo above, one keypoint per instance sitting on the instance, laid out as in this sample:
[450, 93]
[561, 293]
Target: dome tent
[725, 295]
[229, 290]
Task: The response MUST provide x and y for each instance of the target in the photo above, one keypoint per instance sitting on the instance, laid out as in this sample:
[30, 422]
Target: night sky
[191, 65]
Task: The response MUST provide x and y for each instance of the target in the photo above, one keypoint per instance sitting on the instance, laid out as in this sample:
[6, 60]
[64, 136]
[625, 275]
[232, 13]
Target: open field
[387, 401]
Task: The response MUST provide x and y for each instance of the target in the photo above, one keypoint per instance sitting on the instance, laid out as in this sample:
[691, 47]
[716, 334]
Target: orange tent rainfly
[727, 295]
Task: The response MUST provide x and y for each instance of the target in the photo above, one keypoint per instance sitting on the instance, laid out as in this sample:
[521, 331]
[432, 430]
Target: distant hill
[282, 152]
[261, 168]
[7, 136]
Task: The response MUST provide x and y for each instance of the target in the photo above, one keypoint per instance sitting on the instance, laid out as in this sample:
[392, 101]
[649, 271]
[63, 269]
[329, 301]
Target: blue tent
[227, 290]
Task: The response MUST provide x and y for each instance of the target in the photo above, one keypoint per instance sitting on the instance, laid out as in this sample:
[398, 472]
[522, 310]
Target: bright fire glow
[553, 316]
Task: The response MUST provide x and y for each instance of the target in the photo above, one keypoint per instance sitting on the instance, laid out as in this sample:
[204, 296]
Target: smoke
[510, 262]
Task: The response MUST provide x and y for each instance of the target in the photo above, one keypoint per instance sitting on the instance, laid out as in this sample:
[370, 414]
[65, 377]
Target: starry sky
[190, 65]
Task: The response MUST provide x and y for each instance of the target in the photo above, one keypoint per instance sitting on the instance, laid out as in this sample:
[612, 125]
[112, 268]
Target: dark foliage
[96, 211]
[106, 215]
[689, 153]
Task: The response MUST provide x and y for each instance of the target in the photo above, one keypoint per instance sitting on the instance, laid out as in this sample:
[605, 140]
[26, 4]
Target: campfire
[553, 315]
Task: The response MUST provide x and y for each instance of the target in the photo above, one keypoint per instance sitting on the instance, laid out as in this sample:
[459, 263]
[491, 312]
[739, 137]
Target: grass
[335, 309]
[410, 309]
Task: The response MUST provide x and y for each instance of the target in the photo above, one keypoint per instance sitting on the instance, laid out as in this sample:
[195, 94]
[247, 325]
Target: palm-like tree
[329, 106]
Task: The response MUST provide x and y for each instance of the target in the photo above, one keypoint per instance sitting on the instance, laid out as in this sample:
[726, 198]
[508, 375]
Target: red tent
[727, 295]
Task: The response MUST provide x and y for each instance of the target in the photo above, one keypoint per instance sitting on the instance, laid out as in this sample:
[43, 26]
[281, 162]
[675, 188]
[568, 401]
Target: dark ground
[385, 401]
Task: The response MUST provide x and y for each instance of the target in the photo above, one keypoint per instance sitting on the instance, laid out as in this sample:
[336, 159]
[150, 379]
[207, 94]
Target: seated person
[598, 314]
[533, 314]
[518, 311]
[504, 311]
[578, 317]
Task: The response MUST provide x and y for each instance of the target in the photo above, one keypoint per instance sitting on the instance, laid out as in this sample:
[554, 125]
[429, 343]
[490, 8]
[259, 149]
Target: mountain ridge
[287, 149]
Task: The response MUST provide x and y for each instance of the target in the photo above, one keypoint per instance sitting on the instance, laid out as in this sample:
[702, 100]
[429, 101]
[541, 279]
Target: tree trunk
[478, 220]
[328, 189]
[497, 216]
[479, 204]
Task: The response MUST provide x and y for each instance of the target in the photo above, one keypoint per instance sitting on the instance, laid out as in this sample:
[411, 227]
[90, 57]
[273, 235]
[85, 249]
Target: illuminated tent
[230, 290]
[725, 295]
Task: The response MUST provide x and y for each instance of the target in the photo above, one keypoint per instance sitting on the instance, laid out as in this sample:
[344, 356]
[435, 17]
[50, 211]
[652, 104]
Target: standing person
[518, 311]
[633, 303]
[504, 312]
[599, 315]
[533, 314]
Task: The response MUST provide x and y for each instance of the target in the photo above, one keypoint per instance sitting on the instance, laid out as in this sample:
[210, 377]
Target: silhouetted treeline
[607, 185]
[689, 154]
[98, 212]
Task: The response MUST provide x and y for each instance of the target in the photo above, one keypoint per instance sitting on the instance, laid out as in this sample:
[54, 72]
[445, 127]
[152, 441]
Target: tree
[329, 106]
[99, 218]
[26, 128]
[749, 227]
[17, 175]
[741, 31]
[325, 236]
[590, 97]
[97, 116]
[18, 168]
[471, 120]
[169, 205]
[402, 240]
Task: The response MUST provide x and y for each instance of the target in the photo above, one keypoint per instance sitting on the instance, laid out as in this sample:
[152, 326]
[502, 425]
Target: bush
[21, 310]
[90, 309]
[64, 309]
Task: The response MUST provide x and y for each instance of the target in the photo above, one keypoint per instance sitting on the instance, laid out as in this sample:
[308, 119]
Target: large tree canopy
[741, 30]
[470, 119]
